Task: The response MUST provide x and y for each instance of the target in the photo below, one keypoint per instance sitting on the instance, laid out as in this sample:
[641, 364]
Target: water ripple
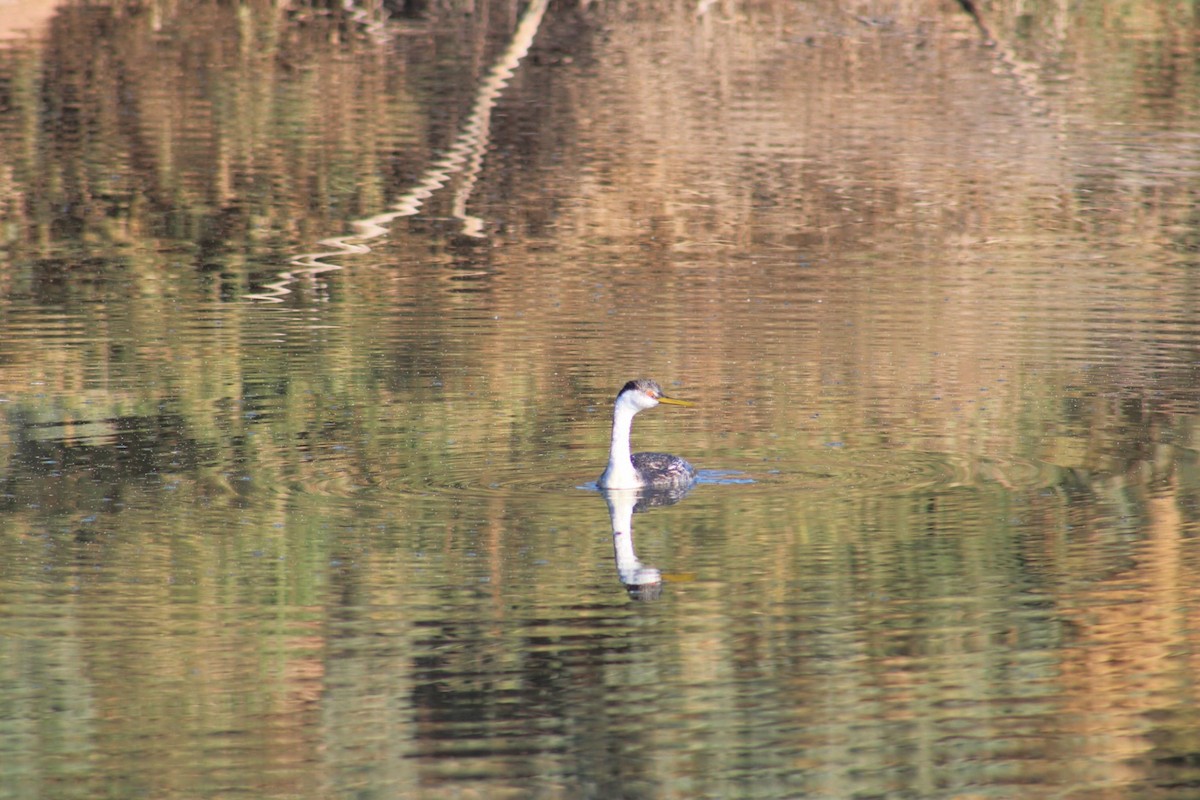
[874, 472]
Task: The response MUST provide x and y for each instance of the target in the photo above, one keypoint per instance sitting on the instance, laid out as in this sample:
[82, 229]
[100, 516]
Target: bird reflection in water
[641, 581]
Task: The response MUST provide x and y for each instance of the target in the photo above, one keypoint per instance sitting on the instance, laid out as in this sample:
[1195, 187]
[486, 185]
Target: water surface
[310, 325]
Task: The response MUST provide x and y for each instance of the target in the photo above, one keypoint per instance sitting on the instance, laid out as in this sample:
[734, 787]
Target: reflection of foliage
[224, 127]
[1126, 54]
[262, 497]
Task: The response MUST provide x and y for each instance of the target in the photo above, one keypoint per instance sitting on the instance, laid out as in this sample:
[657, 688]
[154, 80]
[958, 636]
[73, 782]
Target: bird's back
[663, 469]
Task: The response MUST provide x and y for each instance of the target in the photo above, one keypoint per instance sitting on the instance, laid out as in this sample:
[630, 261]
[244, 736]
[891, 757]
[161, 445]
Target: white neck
[620, 474]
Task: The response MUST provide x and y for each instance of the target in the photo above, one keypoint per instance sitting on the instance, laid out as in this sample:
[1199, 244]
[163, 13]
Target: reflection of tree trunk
[1025, 72]
[1122, 666]
[464, 158]
[973, 11]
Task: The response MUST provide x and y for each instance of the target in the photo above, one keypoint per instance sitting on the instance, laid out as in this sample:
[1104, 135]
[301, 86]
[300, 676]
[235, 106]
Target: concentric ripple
[873, 472]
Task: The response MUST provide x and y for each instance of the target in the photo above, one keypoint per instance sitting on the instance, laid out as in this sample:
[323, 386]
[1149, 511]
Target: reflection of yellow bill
[678, 577]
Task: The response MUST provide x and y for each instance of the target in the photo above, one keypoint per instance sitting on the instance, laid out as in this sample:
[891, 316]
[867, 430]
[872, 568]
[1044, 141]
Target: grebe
[653, 470]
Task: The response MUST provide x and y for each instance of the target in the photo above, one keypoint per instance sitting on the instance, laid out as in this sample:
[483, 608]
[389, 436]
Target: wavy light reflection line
[465, 157]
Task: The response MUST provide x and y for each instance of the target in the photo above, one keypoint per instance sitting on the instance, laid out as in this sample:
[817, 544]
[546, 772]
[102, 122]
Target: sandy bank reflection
[24, 18]
[642, 581]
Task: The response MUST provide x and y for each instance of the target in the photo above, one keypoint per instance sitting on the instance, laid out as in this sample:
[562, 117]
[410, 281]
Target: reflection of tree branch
[973, 12]
[464, 157]
[1024, 72]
